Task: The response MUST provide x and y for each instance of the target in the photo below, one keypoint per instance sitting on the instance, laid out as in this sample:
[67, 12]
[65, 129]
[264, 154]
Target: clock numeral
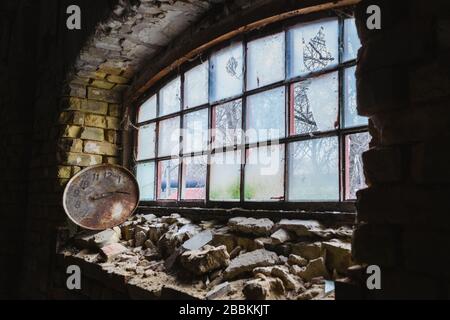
[95, 176]
[84, 184]
[78, 204]
[76, 193]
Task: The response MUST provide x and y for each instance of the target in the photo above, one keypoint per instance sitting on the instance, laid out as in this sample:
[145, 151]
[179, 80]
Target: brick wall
[403, 86]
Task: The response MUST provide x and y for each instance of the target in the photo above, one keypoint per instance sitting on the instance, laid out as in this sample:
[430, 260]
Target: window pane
[146, 142]
[351, 40]
[313, 170]
[196, 86]
[145, 176]
[315, 104]
[264, 173]
[225, 176]
[169, 137]
[194, 178]
[351, 118]
[265, 61]
[226, 124]
[313, 47]
[170, 97]
[355, 145]
[226, 72]
[147, 111]
[195, 131]
[168, 179]
[265, 115]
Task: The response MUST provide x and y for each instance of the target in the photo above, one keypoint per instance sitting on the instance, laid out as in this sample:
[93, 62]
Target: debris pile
[246, 258]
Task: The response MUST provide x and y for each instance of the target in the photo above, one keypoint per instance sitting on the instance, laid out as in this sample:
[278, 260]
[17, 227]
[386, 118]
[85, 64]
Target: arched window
[269, 116]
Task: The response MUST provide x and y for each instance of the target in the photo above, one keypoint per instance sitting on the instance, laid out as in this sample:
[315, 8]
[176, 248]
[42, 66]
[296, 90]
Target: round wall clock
[101, 196]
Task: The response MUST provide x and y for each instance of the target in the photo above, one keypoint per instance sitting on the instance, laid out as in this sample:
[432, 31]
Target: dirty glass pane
[355, 145]
[265, 61]
[227, 123]
[195, 132]
[170, 97]
[225, 176]
[147, 111]
[265, 115]
[146, 142]
[145, 176]
[313, 170]
[351, 40]
[196, 86]
[168, 179]
[226, 72]
[194, 178]
[351, 117]
[313, 47]
[315, 104]
[264, 173]
[169, 137]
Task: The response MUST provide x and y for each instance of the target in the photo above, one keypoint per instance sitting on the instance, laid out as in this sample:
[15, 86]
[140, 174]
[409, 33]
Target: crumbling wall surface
[172, 257]
[404, 86]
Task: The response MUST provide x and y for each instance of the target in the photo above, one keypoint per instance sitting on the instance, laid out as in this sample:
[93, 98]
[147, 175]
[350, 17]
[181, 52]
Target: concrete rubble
[246, 258]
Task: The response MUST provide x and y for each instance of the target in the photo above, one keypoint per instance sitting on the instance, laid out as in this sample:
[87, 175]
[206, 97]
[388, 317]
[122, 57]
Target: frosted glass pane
[147, 111]
[145, 176]
[168, 179]
[169, 137]
[315, 104]
[227, 72]
[265, 115]
[195, 133]
[196, 86]
[194, 178]
[227, 123]
[265, 61]
[355, 145]
[351, 117]
[313, 170]
[170, 97]
[146, 142]
[351, 40]
[225, 176]
[264, 173]
[313, 47]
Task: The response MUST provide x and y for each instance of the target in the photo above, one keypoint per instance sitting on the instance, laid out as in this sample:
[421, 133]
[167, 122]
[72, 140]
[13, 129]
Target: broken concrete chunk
[169, 241]
[302, 228]
[106, 237]
[140, 238]
[127, 230]
[111, 251]
[155, 231]
[289, 282]
[223, 237]
[148, 217]
[338, 255]
[280, 236]
[171, 218]
[263, 288]
[203, 261]
[315, 268]
[246, 262]
[198, 241]
[218, 291]
[257, 227]
[307, 250]
[297, 260]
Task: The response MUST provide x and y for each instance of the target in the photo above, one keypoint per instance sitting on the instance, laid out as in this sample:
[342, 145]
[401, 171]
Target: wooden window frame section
[342, 205]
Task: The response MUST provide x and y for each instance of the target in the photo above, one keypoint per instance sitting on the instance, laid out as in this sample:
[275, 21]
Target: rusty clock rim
[126, 170]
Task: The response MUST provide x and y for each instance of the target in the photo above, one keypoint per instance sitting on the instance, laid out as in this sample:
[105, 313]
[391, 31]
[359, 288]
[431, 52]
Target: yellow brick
[113, 123]
[102, 84]
[114, 110]
[64, 171]
[117, 79]
[89, 133]
[71, 131]
[93, 120]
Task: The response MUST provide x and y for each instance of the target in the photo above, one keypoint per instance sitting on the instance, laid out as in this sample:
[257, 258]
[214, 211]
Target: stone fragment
[310, 294]
[105, 237]
[257, 227]
[218, 291]
[222, 236]
[204, 261]
[140, 238]
[246, 262]
[307, 250]
[263, 288]
[169, 241]
[315, 268]
[235, 252]
[156, 231]
[297, 260]
[289, 282]
[170, 219]
[127, 229]
[111, 251]
[148, 217]
[280, 236]
[302, 228]
[338, 255]
[198, 241]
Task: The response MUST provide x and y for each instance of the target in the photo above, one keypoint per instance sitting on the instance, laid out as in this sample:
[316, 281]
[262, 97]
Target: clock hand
[107, 194]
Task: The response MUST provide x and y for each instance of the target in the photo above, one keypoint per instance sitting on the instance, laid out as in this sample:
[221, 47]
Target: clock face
[101, 196]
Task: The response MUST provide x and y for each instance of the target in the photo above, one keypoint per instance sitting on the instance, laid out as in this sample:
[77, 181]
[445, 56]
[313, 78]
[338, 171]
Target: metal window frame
[345, 205]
